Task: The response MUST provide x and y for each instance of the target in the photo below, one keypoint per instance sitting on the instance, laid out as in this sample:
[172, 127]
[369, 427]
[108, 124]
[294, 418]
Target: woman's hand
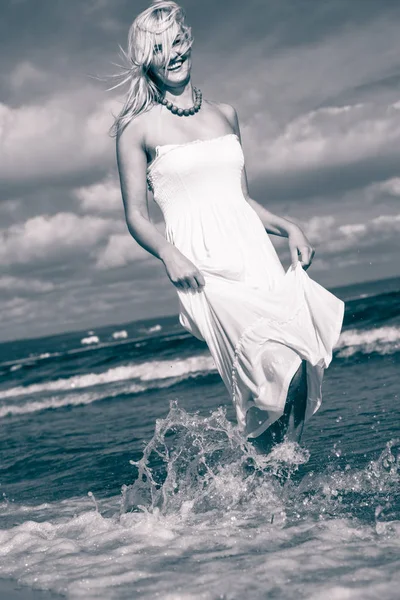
[300, 248]
[181, 271]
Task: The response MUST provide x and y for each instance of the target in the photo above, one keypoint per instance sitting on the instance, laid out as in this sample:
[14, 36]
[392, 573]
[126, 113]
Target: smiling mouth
[175, 66]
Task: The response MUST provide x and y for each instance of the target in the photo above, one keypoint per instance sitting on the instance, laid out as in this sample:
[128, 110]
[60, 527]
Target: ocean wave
[71, 399]
[119, 335]
[380, 340]
[52, 402]
[28, 360]
[151, 371]
[154, 329]
[92, 339]
[216, 500]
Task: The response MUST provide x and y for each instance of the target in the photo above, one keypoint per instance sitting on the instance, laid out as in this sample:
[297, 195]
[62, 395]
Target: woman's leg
[290, 425]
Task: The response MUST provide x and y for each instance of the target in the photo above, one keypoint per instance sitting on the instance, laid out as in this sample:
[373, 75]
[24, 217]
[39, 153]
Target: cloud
[335, 240]
[18, 284]
[62, 139]
[340, 245]
[391, 187]
[17, 309]
[52, 238]
[90, 302]
[382, 229]
[26, 74]
[104, 196]
[317, 227]
[294, 61]
[121, 249]
[333, 147]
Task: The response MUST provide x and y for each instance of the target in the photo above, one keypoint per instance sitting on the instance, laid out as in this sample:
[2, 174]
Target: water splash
[196, 466]
[199, 464]
[364, 493]
[205, 507]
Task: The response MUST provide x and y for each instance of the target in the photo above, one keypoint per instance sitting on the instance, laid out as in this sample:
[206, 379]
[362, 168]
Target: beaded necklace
[184, 112]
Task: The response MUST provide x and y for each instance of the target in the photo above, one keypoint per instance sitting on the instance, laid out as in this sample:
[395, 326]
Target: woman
[270, 333]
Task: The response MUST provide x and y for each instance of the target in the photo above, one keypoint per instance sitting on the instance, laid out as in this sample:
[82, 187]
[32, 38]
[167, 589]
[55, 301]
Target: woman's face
[178, 69]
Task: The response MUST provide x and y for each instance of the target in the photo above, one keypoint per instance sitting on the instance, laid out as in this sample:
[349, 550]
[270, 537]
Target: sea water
[123, 474]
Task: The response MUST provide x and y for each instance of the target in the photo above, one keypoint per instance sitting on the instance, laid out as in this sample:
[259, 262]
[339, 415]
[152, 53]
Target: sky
[317, 89]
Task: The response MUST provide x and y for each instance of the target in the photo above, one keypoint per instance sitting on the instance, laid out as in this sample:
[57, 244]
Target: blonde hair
[150, 41]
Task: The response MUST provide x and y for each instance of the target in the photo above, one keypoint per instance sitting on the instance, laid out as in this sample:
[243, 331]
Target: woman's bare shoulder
[135, 132]
[227, 109]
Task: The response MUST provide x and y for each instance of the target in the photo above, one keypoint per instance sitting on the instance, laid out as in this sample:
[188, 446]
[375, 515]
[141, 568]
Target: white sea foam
[80, 398]
[119, 335]
[382, 340]
[52, 402]
[243, 535]
[92, 339]
[32, 358]
[147, 555]
[151, 371]
[155, 328]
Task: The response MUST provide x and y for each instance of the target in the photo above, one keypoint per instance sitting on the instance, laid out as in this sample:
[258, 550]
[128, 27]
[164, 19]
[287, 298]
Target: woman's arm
[299, 245]
[132, 169]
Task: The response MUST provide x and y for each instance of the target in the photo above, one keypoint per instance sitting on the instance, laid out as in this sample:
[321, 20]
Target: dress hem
[285, 389]
[325, 358]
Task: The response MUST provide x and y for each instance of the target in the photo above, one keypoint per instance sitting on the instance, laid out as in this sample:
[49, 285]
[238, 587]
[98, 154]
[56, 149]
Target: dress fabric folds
[258, 320]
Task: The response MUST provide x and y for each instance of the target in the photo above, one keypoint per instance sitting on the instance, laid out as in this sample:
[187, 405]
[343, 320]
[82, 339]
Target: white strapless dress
[257, 320]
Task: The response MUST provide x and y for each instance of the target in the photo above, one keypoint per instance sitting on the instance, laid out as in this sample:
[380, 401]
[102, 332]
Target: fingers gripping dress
[258, 321]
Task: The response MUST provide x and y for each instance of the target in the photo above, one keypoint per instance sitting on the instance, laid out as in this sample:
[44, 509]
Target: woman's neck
[182, 97]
